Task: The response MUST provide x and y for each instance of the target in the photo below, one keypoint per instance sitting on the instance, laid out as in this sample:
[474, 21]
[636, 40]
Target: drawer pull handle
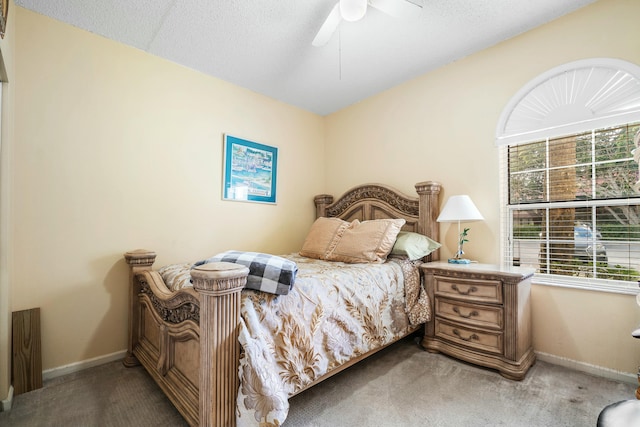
[466, 316]
[469, 338]
[461, 292]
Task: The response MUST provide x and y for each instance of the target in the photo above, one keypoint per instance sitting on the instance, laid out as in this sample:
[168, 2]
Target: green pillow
[414, 245]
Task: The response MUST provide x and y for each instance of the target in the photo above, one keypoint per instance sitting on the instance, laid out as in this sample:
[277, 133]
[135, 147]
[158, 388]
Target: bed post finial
[322, 201]
[219, 285]
[139, 260]
[429, 195]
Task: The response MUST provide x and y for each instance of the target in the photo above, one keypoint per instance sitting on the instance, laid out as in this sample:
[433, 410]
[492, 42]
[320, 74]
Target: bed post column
[322, 201]
[139, 260]
[219, 285]
[429, 196]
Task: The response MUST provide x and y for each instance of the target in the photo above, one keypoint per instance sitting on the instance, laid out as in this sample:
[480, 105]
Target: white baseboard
[84, 364]
[6, 404]
[599, 371]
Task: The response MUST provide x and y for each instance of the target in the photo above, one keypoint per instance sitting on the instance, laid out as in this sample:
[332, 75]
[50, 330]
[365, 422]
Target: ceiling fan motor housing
[353, 10]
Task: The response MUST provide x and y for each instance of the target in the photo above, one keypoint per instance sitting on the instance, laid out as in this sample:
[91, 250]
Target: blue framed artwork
[250, 171]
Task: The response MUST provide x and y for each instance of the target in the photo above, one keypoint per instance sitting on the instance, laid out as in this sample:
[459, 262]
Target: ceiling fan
[354, 10]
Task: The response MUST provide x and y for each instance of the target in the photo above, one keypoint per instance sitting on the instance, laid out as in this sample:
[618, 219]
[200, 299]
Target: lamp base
[459, 261]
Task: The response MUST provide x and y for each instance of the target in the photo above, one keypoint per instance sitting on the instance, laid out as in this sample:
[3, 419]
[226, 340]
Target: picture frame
[250, 171]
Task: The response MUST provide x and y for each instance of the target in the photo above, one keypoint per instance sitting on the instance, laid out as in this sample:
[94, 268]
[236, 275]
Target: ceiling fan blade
[329, 26]
[396, 8]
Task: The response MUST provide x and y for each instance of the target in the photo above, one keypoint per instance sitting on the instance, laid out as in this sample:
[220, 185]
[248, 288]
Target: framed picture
[250, 171]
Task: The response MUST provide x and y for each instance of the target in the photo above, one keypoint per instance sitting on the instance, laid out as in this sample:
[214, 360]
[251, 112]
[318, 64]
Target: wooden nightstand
[481, 314]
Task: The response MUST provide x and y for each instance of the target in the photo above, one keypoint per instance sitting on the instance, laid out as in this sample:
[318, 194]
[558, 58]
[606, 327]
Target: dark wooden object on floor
[26, 351]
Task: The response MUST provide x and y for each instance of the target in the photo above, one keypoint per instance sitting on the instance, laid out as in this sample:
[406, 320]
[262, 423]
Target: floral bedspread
[335, 312]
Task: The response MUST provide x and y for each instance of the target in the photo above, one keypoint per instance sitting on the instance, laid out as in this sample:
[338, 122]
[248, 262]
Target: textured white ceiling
[265, 45]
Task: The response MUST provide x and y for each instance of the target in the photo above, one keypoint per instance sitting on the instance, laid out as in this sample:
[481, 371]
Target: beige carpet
[400, 386]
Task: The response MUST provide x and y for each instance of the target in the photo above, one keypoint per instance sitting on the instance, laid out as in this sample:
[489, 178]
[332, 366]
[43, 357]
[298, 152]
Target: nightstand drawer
[487, 291]
[470, 314]
[487, 341]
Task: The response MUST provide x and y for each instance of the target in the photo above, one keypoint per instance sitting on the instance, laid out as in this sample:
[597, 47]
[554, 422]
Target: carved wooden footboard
[195, 366]
[188, 340]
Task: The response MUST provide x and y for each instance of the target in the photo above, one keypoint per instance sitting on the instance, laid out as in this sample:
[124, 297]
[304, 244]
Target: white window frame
[573, 98]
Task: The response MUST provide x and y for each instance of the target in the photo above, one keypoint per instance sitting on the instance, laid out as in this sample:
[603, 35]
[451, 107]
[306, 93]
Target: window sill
[612, 286]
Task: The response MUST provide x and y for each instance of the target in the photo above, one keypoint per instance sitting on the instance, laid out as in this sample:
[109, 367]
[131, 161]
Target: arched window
[570, 184]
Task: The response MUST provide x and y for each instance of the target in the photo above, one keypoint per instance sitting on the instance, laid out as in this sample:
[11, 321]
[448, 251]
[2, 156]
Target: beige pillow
[323, 237]
[367, 241]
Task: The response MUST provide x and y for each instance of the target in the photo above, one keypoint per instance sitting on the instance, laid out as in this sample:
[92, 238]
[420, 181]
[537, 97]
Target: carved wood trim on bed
[374, 201]
[188, 340]
[219, 285]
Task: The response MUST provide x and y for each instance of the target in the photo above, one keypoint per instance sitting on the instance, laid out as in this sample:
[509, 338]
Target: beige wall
[116, 149]
[441, 126]
[7, 75]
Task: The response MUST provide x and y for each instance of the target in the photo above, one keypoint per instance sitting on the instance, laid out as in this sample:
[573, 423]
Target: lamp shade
[459, 208]
[353, 10]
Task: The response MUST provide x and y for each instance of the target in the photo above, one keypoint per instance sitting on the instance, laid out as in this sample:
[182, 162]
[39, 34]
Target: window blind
[572, 208]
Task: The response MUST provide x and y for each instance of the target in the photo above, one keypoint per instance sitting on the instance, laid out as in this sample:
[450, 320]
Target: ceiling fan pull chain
[339, 54]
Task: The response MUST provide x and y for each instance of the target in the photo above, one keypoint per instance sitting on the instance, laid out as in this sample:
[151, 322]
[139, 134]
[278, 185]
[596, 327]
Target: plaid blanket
[267, 273]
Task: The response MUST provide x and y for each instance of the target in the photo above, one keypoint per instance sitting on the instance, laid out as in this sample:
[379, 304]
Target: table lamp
[458, 209]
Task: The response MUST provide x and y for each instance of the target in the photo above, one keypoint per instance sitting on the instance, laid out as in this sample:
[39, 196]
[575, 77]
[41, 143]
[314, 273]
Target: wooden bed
[188, 340]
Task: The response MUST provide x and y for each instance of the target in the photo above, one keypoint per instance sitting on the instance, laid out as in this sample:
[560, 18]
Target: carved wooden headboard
[376, 201]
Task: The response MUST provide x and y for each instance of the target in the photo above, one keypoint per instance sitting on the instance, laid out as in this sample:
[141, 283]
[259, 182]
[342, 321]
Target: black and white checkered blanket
[267, 273]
